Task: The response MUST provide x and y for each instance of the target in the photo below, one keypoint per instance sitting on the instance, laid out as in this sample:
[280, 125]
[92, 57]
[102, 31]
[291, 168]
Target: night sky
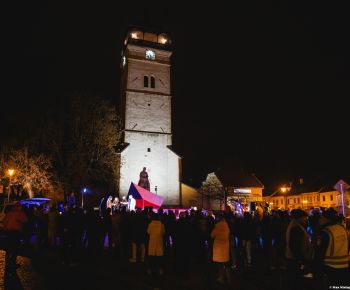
[259, 86]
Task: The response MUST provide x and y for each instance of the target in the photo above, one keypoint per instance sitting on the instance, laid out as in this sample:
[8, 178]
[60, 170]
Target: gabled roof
[237, 178]
[192, 182]
[172, 150]
[120, 147]
[327, 188]
[318, 184]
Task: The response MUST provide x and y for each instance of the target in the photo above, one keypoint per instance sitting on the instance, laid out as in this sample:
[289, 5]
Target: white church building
[146, 114]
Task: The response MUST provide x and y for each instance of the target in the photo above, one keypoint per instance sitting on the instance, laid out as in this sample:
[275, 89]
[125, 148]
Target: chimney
[301, 180]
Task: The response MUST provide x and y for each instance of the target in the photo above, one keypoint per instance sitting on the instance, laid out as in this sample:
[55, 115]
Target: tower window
[148, 149]
[153, 82]
[145, 81]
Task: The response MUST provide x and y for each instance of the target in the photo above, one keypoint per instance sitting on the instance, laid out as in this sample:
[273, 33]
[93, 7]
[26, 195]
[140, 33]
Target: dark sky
[260, 86]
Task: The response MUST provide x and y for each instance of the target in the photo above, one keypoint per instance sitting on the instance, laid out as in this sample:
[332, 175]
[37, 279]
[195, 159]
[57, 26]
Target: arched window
[145, 81]
[153, 82]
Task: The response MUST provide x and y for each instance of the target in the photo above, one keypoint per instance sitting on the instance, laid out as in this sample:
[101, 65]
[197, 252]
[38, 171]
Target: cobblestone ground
[26, 279]
[106, 271]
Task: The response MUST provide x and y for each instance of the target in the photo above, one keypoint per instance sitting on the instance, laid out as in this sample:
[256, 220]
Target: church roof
[237, 178]
[120, 147]
[172, 150]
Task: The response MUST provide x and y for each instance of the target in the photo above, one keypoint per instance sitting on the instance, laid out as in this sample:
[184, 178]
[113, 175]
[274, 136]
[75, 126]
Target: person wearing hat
[332, 249]
[298, 249]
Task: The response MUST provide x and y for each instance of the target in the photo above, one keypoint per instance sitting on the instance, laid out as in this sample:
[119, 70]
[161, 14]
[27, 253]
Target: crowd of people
[312, 246]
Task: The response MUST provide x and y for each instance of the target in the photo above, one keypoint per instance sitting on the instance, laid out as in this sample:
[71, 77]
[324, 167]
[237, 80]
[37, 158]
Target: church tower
[146, 113]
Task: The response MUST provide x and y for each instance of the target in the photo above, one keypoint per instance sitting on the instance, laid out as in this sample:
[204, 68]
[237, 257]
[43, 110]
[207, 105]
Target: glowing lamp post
[285, 192]
[82, 197]
[10, 172]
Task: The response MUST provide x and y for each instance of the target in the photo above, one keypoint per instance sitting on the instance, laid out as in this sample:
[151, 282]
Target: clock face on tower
[150, 54]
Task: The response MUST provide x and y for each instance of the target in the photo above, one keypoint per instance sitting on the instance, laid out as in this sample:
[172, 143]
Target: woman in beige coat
[155, 253]
[221, 248]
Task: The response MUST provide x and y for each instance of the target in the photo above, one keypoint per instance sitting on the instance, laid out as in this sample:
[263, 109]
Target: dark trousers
[222, 273]
[294, 275]
[12, 248]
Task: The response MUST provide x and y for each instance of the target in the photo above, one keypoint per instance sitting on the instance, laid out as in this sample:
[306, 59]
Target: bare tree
[32, 173]
[81, 136]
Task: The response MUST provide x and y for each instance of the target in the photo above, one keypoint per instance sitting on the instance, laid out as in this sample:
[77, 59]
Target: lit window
[145, 81]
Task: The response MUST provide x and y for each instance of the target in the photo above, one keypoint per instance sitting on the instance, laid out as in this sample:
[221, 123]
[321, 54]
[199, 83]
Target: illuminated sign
[242, 190]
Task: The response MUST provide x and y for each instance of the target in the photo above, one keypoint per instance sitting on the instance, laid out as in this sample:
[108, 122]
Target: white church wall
[148, 112]
[137, 69]
[173, 179]
[161, 165]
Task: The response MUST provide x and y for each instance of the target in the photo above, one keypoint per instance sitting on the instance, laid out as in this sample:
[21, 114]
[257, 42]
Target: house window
[324, 198]
[148, 149]
[298, 200]
[331, 196]
[277, 202]
[145, 81]
[282, 201]
[153, 82]
[295, 200]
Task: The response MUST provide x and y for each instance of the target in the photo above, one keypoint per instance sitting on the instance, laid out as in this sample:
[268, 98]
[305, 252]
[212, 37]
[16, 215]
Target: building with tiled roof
[225, 185]
[316, 193]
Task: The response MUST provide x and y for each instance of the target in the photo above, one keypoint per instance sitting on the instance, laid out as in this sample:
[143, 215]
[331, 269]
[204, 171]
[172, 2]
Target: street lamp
[10, 172]
[285, 191]
[82, 197]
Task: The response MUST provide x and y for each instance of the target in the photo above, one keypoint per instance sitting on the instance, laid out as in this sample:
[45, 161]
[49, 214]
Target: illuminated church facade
[146, 114]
